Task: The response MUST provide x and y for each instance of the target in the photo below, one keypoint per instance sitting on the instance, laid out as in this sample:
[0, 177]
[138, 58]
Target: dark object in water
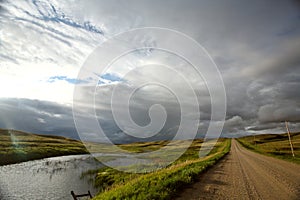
[81, 195]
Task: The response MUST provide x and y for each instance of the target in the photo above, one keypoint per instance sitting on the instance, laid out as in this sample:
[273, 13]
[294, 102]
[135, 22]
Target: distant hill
[18, 146]
[274, 144]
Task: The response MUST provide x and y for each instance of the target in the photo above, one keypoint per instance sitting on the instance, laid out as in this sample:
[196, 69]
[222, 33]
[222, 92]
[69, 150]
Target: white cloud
[257, 53]
[43, 42]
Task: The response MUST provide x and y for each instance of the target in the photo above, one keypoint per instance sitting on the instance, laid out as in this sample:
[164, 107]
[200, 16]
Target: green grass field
[162, 184]
[17, 146]
[276, 145]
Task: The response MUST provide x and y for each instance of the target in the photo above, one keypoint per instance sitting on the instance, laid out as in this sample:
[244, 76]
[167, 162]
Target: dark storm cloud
[279, 113]
[255, 44]
[37, 117]
[284, 60]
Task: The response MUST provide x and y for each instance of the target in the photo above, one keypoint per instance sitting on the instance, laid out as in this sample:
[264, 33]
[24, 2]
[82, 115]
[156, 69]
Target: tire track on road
[243, 174]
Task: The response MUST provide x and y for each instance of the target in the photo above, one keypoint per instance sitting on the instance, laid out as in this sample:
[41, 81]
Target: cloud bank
[43, 45]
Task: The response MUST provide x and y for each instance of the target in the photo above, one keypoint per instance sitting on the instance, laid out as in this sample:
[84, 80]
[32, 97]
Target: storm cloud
[44, 44]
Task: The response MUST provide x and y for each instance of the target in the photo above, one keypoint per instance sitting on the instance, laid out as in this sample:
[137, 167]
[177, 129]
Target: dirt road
[243, 174]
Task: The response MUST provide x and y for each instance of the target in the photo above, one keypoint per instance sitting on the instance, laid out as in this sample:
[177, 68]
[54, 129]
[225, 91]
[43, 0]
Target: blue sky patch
[111, 77]
[65, 78]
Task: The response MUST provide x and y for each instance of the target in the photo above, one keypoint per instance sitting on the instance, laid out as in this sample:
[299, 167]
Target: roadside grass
[162, 184]
[275, 145]
[17, 146]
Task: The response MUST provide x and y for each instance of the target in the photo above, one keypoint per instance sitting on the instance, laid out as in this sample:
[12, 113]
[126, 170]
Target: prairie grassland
[163, 183]
[276, 145]
[17, 146]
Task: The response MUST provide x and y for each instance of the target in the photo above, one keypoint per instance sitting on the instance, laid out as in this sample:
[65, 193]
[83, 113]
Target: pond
[50, 178]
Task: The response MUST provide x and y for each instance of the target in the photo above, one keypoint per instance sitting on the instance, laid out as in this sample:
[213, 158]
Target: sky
[45, 44]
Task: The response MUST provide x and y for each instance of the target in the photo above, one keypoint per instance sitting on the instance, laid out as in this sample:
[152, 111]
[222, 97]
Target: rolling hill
[18, 146]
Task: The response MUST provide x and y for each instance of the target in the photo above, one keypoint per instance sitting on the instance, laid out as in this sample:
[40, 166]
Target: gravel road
[243, 174]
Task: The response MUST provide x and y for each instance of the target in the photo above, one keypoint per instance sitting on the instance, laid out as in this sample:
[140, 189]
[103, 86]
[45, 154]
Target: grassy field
[276, 145]
[17, 146]
[161, 184]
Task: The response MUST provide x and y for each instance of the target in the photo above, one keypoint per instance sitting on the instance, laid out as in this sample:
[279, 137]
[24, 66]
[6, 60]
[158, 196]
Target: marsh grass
[162, 184]
[276, 145]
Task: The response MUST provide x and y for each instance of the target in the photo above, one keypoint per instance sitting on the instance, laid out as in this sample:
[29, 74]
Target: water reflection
[51, 178]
